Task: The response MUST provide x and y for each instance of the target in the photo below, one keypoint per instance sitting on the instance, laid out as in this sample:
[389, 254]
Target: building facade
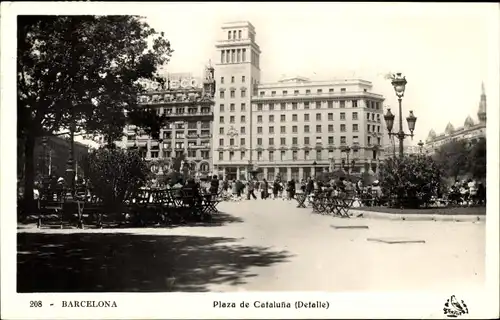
[470, 131]
[188, 103]
[294, 127]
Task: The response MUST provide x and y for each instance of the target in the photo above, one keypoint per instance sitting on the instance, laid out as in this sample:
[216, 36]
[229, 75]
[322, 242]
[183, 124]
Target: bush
[116, 175]
[410, 181]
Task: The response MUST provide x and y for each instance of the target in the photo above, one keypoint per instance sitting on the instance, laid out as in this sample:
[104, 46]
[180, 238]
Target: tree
[411, 180]
[116, 175]
[80, 73]
[453, 157]
[477, 159]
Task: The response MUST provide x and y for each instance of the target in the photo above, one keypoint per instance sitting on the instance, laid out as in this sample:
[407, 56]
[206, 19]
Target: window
[318, 105]
[318, 128]
[373, 116]
[221, 156]
[221, 119]
[271, 155]
[282, 129]
[306, 105]
[306, 155]
[330, 116]
[271, 141]
[271, 130]
[221, 130]
[221, 107]
[354, 116]
[294, 129]
[271, 118]
[378, 129]
[273, 93]
[283, 141]
[320, 91]
[229, 35]
[330, 90]
[378, 141]
[231, 119]
[282, 118]
[259, 141]
[295, 140]
[259, 107]
[231, 142]
[221, 142]
[283, 155]
[330, 128]
[306, 116]
[294, 105]
[354, 103]
[342, 140]
[259, 155]
[294, 117]
[368, 128]
[296, 92]
[342, 103]
[271, 106]
[262, 93]
[330, 104]
[232, 108]
[342, 116]
[232, 79]
[233, 93]
[243, 77]
[369, 141]
[239, 34]
[330, 140]
[306, 140]
[242, 155]
[285, 92]
[231, 155]
[221, 94]
[306, 129]
[378, 117]
[243, 93]
[243, 119]
[243, 107]
[342, 128]
[222, 80]
[355, 127]
[318, 154]
[259, 130]
[368, 116]
[242, 130]
[342, 90]
[242, 141]
[318, 116]
[259, 119]
[308, 91]
[294, 155]
[283, 106]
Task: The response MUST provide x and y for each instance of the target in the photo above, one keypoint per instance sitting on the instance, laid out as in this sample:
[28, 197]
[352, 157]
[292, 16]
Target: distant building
[293, 127]
[470, 131]
[188, 102]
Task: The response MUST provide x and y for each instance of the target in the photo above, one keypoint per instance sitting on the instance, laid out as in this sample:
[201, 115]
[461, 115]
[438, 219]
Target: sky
[445, 50]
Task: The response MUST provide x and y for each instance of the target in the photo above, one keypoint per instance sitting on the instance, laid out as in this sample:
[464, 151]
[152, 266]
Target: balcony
[316, 95]
[191, 114]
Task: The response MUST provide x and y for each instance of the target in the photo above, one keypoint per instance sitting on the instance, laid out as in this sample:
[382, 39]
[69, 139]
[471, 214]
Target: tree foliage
[81, 73]
[411, 180]
[477, 159]
[116, 174]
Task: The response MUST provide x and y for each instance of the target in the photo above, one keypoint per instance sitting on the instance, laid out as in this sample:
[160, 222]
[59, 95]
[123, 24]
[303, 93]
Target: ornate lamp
[421, 145]
[399, 84]
[411, 119]
[389, 120]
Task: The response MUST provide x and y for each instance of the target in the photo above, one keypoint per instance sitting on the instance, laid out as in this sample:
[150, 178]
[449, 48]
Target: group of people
[468, 191]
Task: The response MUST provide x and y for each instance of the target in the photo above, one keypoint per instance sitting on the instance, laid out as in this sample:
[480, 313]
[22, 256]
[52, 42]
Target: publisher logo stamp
[454, 308]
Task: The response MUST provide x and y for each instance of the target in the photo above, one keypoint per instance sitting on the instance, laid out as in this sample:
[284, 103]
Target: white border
[180, 305]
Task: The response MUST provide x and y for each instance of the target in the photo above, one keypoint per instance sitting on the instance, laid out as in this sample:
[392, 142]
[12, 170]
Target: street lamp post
[314, 165]
[421, 145]
[70, 165]
[347, 151]
[399, 84]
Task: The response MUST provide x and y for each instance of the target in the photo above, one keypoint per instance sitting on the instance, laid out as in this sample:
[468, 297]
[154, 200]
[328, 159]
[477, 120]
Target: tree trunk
[29, 173]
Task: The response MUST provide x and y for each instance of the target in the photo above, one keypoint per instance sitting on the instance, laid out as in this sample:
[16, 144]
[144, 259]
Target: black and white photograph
[237, 148]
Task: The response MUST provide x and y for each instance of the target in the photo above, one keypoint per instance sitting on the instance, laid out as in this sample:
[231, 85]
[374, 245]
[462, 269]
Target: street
[259, 245]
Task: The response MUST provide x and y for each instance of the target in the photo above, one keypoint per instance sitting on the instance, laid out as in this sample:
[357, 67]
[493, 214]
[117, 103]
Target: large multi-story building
[188, 103]
[470, 131]
[294, 127]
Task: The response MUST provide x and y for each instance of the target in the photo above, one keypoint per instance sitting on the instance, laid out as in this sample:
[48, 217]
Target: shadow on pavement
[82, 262]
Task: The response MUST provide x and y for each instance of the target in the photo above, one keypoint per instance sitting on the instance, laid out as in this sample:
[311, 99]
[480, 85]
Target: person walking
[276, 189]
[250, 190]
[265, 189]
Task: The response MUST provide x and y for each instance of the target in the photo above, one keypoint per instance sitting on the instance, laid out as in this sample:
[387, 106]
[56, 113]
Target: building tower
[237, 72]
[481, 113]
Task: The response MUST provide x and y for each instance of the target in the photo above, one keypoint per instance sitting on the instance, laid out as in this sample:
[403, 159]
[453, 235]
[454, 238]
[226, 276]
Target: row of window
[307, 129]
[205, 155]
[295, 140]
[283, 154]
[307, 105]
[243, 79]
[306, 117]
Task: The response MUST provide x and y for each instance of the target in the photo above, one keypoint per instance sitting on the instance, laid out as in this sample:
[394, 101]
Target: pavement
[267, 245]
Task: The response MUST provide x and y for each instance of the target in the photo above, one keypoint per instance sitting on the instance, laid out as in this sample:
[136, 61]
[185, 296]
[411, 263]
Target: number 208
[35, 304]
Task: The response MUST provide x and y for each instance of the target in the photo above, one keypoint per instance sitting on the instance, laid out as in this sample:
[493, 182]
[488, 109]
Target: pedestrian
[265, 189]
[250, 190]
[309, 186]
[276, 189]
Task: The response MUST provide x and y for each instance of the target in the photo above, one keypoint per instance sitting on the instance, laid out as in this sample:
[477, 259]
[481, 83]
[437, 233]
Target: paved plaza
[258, 245]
